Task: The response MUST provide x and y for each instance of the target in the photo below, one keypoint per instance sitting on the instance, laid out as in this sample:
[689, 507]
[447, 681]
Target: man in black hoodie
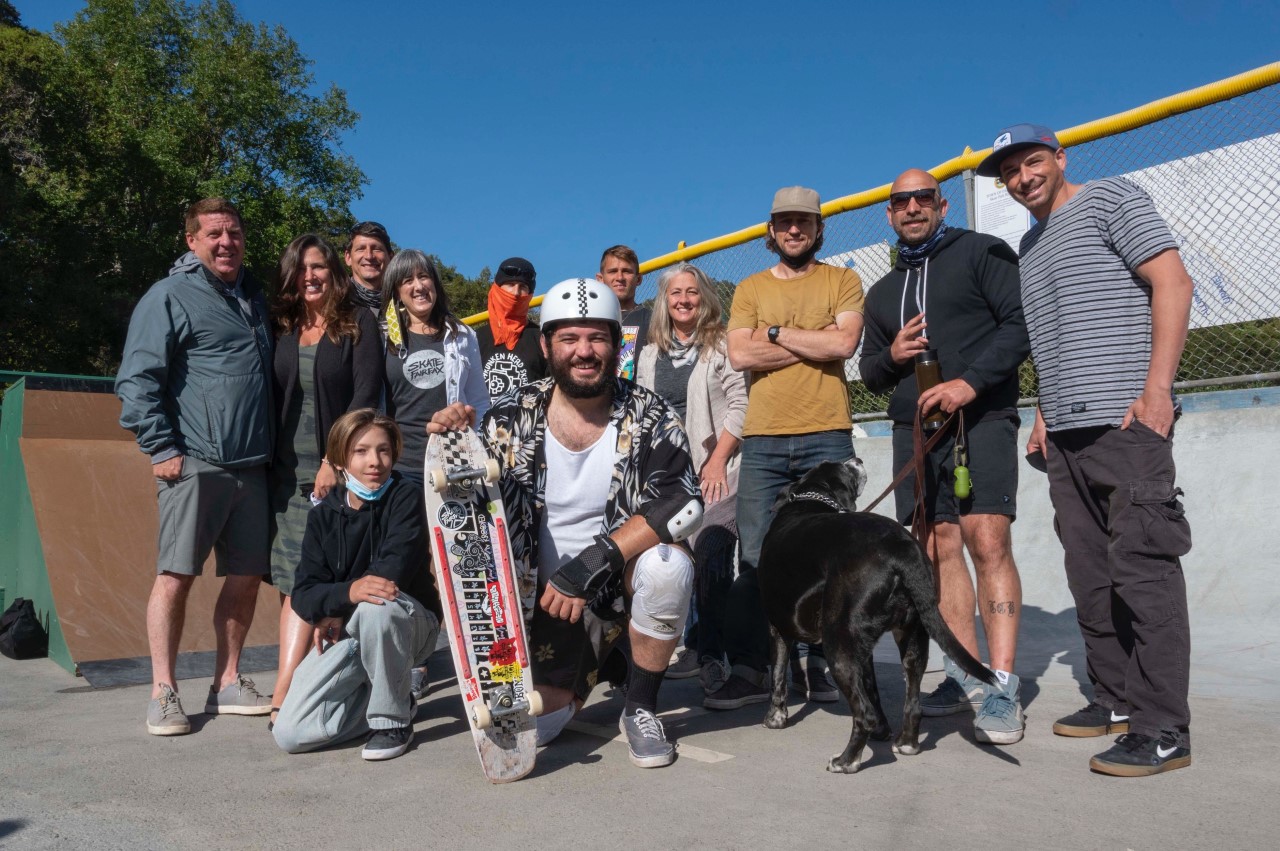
[956, 292]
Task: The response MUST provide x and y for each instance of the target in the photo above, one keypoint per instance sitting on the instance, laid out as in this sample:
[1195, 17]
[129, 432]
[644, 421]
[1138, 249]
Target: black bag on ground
[21, 635]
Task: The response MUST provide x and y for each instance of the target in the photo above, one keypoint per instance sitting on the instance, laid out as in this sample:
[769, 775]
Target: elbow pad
[583, 575]
[673, 519]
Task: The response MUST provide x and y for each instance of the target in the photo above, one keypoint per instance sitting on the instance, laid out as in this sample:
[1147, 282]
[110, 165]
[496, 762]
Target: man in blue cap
[1107, 300]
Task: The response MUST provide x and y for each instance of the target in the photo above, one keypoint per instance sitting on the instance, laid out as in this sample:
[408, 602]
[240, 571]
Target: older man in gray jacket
[195, 389]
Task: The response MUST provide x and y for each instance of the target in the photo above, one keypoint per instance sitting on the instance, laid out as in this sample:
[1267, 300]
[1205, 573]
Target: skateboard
[471, 555]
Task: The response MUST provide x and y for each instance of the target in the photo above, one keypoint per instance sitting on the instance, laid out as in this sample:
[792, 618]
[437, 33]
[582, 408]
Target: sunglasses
[927, 198]
[513, 270]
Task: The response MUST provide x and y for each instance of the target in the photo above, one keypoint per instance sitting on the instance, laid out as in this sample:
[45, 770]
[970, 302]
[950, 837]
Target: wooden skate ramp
[94, 503]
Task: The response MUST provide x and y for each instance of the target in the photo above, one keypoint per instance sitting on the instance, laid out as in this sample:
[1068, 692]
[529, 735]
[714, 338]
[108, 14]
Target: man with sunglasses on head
[956, 292]
[792, 325]
[367, 256]
[1107, 301]
[509, 347]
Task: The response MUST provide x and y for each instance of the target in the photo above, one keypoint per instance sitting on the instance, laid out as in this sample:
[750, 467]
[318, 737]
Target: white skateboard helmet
[580, 298]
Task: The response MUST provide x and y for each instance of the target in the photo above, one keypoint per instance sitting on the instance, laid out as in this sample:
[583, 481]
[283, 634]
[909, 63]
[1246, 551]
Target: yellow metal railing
[1212, 154]
[1159, 110]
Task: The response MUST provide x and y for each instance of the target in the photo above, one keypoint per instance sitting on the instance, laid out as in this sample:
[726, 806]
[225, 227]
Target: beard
[562, 371]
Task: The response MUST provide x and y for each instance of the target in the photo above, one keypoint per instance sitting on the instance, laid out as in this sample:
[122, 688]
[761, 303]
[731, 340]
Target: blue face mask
[359, 489]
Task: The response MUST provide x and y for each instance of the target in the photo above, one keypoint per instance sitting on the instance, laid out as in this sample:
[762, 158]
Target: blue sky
[552, 130]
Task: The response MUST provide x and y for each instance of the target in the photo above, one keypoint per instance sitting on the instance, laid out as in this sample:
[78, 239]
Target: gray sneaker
[387, 744]
[646, 740]
[713, 674]
[999, 721]
[685, 666]
[420, 683]
[165, 716]
[239, 698]
[958, 692]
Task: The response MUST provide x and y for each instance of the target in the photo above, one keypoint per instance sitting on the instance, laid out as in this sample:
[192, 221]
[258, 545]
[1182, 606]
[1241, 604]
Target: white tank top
[576, 493]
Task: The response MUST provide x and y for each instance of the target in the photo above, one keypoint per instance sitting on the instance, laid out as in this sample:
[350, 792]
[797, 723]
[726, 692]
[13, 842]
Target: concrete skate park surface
[78, 769]
[80, 772]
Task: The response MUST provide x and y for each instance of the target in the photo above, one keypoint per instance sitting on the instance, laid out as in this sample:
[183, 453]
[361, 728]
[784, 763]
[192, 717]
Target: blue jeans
[769, 464]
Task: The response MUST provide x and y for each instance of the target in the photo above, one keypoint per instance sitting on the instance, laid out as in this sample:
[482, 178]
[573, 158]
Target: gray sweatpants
[362, 682]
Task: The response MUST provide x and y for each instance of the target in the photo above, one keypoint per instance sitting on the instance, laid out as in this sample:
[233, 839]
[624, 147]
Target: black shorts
[993, 469]
[569, 656]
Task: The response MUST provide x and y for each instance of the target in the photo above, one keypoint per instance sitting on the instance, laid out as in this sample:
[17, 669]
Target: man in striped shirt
[1107, 300]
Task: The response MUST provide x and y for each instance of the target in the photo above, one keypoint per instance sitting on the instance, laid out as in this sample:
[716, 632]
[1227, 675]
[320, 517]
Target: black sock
[642, 689]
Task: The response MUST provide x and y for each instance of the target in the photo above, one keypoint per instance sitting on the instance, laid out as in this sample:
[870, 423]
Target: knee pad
[663, 582]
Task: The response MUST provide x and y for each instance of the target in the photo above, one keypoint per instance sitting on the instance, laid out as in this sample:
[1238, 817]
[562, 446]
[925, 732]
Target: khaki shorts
[214, 509]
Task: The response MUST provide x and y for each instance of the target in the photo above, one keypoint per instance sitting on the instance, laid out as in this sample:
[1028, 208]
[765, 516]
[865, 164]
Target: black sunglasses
[512, 270]
[927, 198]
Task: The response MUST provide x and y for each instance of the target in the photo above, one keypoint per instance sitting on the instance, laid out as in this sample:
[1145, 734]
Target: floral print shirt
[651, 461]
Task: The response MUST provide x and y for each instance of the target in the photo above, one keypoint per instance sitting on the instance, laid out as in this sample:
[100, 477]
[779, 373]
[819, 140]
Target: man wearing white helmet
[600, 494]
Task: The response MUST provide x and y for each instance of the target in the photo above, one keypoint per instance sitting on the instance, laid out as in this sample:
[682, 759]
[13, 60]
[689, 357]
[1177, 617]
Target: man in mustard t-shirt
[792, 326]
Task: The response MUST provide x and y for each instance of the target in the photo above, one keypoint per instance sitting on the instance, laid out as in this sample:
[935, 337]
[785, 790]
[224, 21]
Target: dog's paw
[775, 719]
[906, 749]
[835, 766]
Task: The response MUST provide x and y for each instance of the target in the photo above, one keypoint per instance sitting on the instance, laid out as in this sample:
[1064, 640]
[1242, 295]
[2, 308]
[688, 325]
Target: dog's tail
[917, 578]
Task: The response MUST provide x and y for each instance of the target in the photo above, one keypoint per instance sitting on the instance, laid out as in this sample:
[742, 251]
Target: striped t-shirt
[1088, 312]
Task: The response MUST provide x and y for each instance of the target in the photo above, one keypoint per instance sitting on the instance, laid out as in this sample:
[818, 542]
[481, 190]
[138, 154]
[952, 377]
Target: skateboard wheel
[482, 716]
[439, 481]
[535, 703]
[491, 471]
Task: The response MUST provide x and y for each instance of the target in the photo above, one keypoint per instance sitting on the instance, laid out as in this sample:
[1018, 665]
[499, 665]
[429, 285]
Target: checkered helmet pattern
[580, 298]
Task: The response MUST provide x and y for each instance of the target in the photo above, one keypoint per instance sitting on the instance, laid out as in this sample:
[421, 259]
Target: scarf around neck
[508, 316]
[914, 255]
[682, 353]
[362, 295]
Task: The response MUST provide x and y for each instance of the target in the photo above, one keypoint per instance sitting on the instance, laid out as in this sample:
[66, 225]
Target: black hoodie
[973, 306]
[386, 537]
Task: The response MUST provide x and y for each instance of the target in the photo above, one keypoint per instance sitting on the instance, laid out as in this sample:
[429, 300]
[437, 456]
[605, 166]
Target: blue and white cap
[1013, 139]
[580, 298]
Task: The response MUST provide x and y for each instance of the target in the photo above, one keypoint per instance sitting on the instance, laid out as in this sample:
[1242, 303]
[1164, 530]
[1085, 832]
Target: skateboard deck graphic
[471, 555]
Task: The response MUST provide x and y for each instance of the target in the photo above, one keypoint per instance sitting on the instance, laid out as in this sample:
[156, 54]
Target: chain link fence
[1214, 173]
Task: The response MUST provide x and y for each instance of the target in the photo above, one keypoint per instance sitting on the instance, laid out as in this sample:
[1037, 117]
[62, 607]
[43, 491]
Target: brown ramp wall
[95, 507]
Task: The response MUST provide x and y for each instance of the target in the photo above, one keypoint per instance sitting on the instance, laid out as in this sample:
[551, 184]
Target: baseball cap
[796, 199]
[516, 269]
[1015, 138]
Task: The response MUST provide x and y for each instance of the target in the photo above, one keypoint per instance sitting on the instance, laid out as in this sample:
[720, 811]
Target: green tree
[133, 110]
[467, 296]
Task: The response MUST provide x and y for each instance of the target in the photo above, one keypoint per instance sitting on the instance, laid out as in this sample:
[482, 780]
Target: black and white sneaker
[1138, 755]
[1094, 720]
[646, 739]
[387, 744]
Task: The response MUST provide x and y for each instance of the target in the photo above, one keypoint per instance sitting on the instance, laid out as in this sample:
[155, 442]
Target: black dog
[830, 574]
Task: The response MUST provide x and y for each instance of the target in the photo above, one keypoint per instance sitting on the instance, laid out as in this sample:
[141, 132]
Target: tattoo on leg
[996, 607]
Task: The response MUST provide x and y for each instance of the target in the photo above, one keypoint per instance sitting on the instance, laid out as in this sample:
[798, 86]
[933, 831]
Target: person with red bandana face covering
[509, 346]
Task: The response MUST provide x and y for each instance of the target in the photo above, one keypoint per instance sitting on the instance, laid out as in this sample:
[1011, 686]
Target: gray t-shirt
[1088, 312]
[415, 391]
[671, 378]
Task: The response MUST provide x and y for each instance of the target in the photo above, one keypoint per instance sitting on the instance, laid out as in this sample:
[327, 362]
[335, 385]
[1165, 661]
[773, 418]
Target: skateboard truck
[503, 703]
[440, 479]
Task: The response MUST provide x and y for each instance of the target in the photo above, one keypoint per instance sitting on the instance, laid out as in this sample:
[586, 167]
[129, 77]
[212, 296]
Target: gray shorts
[993, 467]
[220, 509]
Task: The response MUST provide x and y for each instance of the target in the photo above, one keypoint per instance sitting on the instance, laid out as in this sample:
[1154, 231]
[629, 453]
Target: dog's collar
[818, 497]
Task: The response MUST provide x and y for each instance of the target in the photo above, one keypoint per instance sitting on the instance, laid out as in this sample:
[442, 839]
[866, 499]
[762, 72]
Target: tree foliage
[131, 111]
[467, 296]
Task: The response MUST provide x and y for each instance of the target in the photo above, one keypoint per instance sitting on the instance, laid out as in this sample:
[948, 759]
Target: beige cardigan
[717, 400]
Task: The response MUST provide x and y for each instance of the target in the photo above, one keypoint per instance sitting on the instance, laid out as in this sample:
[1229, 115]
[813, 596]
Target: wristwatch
[773, 333]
